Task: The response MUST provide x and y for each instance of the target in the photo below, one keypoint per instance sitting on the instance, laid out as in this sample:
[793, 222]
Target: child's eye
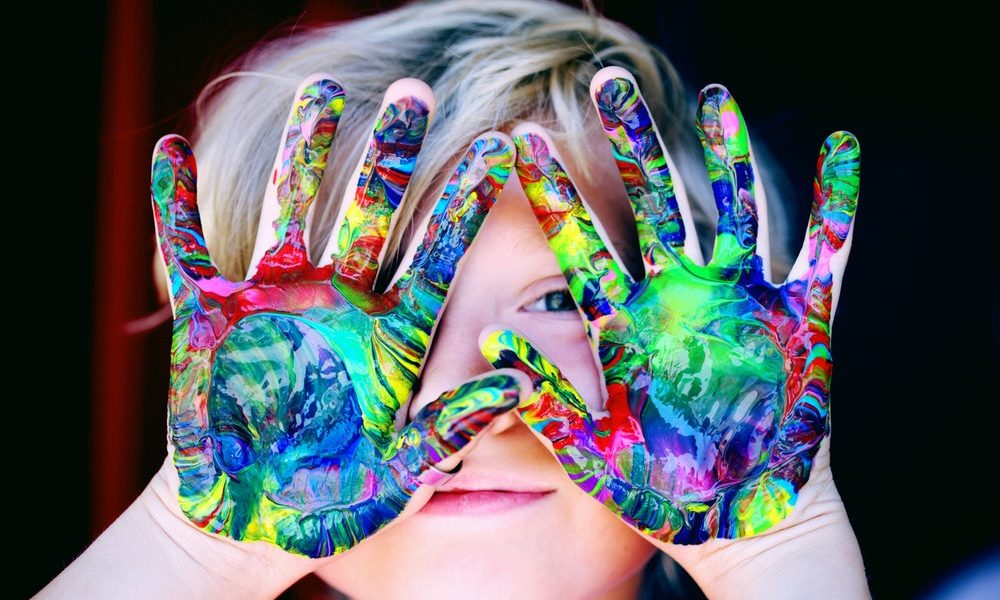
[558, 300]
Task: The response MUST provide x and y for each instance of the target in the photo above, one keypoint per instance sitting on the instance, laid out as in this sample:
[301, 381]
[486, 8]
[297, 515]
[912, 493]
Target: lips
[484, 494]
[480, 503]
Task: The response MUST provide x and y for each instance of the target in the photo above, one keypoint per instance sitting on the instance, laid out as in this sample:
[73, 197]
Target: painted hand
[717, 380]
[285, 387]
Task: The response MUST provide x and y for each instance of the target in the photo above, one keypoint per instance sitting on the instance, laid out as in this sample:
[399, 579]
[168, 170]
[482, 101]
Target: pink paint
[730, 122]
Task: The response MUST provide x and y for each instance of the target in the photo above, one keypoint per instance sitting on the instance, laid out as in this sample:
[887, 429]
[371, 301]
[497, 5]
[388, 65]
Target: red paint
[627, 431]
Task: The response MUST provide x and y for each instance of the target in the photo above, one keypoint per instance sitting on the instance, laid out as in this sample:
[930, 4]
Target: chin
[563, 545]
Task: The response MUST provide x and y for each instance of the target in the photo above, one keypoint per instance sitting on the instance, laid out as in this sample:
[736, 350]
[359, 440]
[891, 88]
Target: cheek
[599, 548]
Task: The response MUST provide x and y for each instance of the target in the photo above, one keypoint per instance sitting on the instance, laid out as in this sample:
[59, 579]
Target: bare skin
[565, 545]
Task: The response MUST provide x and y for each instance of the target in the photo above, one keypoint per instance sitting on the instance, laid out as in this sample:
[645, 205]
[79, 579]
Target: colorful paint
[717, 380]
[385, 173]
[285, 387]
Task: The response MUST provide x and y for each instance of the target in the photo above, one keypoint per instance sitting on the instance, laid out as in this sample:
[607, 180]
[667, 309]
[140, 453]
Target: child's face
[563, 542]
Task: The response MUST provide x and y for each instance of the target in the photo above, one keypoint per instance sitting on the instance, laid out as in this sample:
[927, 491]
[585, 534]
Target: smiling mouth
[478, 503]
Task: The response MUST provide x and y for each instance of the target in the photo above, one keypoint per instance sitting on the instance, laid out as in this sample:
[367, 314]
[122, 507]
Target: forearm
[813, 554]
[151, 551]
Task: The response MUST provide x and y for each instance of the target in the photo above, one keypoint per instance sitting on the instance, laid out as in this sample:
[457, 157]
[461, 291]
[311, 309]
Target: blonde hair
[488, 63]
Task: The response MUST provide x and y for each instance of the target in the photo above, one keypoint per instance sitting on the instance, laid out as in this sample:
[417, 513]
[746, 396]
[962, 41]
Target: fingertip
[527, 129]
[607, 74]
[616, 97]
[318, 77]
[843, 136]
[172, 139]
[492, 343]
[497, 135]
[477, 181]
[171, 145]
[514, 386]
[723, 105]
[841, 148]
[414, 88]
[840, 143]
[534, 143]
[486, 166]
[838, 176]
[716, 102]
[324, 87]
[501, 335]
[173, 171]
[497, 148]
[524, 128]
[407, 108]
[714, 92]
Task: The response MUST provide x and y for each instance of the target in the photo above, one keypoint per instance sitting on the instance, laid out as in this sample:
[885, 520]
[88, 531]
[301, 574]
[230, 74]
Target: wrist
[812, 553]
[153, 551]
[250, 569]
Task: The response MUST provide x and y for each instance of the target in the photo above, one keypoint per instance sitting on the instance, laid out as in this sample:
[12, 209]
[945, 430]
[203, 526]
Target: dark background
[917, 330]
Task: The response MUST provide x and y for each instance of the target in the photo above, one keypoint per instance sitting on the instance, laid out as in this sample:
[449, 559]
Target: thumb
[554, 409]
[445, 426]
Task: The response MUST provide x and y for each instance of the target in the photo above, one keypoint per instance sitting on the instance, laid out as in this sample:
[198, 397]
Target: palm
[717, 380]
[285, 386]
[685, 378]
[299, 422]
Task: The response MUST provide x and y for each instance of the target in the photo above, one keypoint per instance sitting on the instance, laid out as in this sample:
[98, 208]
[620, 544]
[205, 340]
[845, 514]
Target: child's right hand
[285, 387]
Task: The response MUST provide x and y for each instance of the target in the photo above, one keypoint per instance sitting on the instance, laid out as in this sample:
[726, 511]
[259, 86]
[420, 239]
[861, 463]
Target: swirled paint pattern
[284, 389]
[717, 380]
[385, 172]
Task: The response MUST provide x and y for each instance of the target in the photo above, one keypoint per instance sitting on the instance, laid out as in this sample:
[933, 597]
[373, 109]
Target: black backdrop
[916, 338]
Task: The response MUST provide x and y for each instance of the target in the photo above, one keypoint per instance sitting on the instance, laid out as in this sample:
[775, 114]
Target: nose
[479, 298]
[454, 359]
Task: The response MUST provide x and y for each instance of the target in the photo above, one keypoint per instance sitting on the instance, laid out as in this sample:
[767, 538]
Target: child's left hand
[717, 380]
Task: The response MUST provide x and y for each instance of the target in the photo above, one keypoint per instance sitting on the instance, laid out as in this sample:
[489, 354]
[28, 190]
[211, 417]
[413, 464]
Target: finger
[556, 413]
[644, 164]
[811, 292]
[819, 268]
[723, 135]
[763, 228]
[448, 424]
[504, 349]
[554, 410]
[593, 273]
[173, 191]
[280, 250]
[382, 176]
[454, 223]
